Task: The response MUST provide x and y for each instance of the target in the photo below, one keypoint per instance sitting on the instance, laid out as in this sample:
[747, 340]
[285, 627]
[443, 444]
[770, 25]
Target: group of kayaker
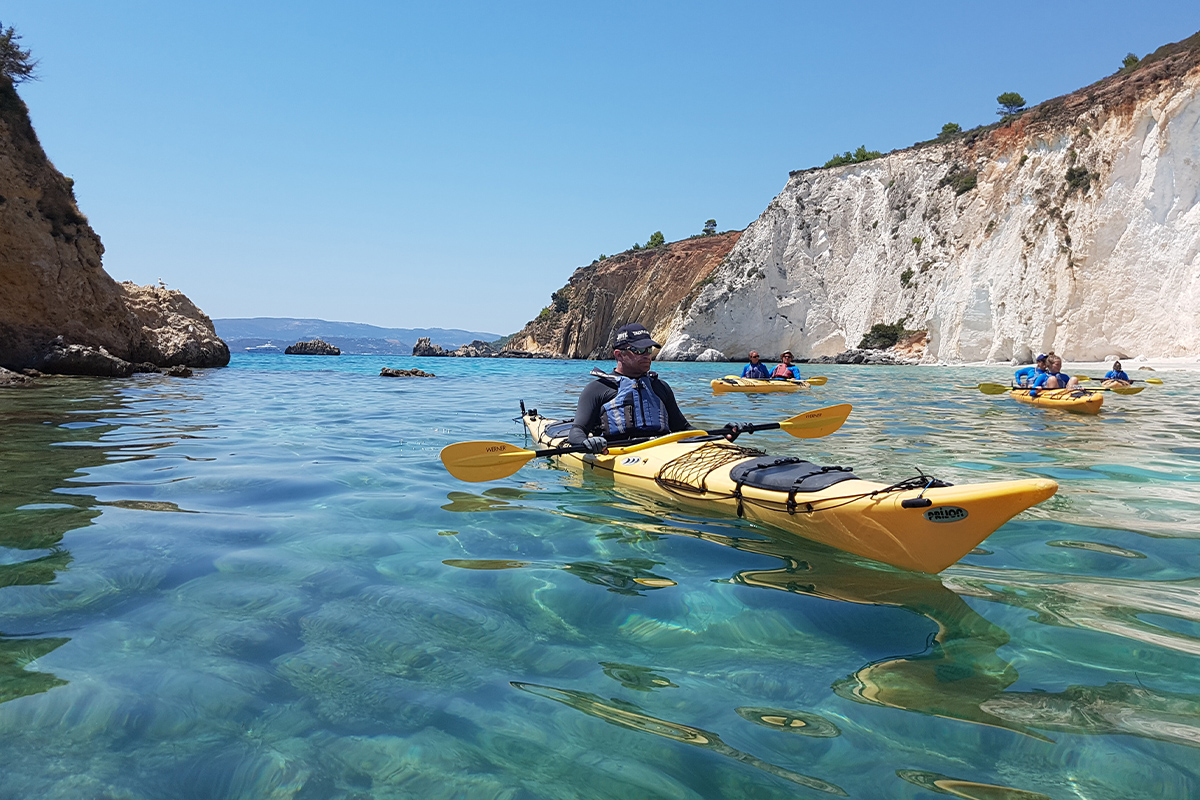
[1046, 373]
[783, 371]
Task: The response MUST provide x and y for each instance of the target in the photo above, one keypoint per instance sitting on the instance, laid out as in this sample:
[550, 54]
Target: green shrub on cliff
[857, 157]
[949, 131]
[16, 65]
[882, 336]
[960, 179]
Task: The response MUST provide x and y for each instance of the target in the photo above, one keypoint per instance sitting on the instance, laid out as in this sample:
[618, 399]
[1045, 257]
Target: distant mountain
[354, 338]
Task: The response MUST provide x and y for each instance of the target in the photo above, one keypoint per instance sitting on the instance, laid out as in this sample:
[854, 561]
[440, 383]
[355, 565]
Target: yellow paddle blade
[819, 380]
[1155, 381]
[815, 424]
[1122, 389]
[993, 388]
[484, 461]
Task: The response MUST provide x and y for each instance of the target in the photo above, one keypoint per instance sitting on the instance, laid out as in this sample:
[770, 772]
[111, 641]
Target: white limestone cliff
[1081, 235]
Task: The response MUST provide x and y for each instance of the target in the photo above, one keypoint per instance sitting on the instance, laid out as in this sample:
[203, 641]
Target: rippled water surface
[260, 583]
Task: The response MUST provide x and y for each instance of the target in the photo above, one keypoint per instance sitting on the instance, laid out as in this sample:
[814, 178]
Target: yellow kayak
[732, 383]
[920, 524]
[1080, 401]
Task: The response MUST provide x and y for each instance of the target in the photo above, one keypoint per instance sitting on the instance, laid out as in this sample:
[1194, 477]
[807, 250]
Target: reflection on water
[961, 675]
[19, 675]
[260, 583]
[628, 715]
[640, 679]
[1110, 605]
[970, 790]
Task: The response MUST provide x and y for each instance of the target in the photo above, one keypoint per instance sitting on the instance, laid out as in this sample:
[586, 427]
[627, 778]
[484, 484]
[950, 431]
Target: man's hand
[736, 428]
[595, 444]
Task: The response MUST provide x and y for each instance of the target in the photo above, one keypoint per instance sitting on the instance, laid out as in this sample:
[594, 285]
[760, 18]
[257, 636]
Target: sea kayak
[1080, 401]
[919, 523]
[732, 383]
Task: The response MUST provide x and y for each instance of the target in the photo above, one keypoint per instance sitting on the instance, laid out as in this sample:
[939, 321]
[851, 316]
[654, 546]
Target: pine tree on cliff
[16, 65]
[1010, 103]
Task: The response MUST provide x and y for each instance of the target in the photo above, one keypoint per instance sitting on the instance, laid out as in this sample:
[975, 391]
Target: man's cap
[633, 335]
[1041, 357]
[785, 353]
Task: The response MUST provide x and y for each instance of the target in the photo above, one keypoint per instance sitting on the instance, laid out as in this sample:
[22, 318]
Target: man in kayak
[1026, 375]
[755, 369]
[631, 402]
[1053, 377]
[1117, 376]
[785, 371]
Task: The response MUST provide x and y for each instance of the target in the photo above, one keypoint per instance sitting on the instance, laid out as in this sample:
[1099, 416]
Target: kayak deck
[919, 524]
[1079, 401]
[732, 383]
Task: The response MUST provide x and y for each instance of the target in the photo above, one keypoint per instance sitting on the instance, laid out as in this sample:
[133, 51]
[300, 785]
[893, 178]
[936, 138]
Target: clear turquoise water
[260, 583]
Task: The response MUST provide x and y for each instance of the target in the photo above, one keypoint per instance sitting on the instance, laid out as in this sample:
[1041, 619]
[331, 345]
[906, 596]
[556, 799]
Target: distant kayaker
[785, 371]
[755, 369]
[630, 403]
[1117, 376]
[1054, 377]
[1026, 375]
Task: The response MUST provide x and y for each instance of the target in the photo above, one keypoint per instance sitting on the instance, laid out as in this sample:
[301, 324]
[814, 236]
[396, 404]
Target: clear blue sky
[450, 164]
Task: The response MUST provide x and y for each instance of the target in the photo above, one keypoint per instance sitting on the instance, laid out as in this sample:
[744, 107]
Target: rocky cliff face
[1073, 227]
[652, 287]
[52, 283]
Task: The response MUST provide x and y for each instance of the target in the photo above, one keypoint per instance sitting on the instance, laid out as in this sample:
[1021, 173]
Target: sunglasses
[639, 351]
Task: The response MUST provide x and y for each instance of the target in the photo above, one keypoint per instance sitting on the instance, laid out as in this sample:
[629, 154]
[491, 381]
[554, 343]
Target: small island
[313, 347]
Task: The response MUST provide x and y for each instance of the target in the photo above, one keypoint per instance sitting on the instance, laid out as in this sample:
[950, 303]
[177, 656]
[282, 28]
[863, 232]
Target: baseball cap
[633, 335]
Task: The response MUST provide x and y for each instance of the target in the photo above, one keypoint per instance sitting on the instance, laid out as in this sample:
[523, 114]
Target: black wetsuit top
[589, 414]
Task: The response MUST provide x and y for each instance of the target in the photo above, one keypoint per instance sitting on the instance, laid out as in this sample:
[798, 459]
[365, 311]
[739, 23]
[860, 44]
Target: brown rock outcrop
[314, 347]
[476, 349]
[424, 347]
[646, 286]
[52, 282]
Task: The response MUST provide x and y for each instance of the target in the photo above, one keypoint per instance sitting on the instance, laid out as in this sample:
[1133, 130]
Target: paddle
[818, 380]
[488, 461]
[1155, 381]
[999, 388]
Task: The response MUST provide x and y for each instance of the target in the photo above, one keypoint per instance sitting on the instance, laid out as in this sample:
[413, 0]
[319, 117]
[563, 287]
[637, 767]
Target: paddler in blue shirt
[631, 402]
[785, 371]
[1117, 376]
[755, 369]
[1026, 375]
[1054, 377]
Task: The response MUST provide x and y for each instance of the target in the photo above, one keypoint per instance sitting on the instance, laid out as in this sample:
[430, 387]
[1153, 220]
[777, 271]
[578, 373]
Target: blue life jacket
[758, 371]
[1116, 374]
[1026, 375]
[1040, 381]
[636, 409]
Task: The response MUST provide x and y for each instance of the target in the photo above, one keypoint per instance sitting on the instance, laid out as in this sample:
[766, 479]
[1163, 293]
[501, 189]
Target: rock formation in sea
[314, 347]
[651, 286]
[59, 310]
[389, 372]
[1073, 227]
[424, 347]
